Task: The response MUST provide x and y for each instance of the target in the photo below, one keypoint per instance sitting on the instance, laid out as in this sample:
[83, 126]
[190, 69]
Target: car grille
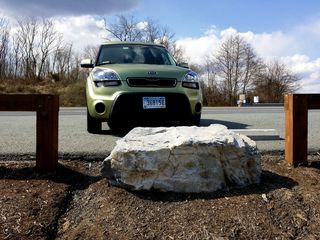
[151, 82]
[129, 106]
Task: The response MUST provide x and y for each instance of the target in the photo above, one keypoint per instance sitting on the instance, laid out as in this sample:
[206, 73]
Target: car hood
[146, 71]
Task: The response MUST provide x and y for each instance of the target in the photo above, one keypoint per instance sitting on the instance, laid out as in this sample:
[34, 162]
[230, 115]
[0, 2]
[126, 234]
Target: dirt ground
[75, 202]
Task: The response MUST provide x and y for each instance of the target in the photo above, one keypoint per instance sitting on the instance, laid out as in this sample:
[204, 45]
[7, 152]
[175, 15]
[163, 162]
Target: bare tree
[177, 52]
[26, 39]
[253, 65]
[15, 62]
[49, 39]
[125, 29]
[63, 63]
[213, 94]
[90, 52]
[209, 71]
[32, 48]
[166, 38]
[236, 65]
[274, 81]
[36, 51]
[228, 66]
[4, 47]
[151, 31]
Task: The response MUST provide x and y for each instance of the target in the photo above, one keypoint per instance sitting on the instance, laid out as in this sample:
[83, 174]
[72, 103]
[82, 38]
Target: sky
[288, 30]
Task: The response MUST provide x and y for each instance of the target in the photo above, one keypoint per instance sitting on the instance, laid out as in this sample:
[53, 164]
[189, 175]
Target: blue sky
[277, 29]
[191, 18]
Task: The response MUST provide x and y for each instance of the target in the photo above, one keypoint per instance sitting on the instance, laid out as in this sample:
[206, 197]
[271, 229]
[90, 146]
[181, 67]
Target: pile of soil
[75, 202]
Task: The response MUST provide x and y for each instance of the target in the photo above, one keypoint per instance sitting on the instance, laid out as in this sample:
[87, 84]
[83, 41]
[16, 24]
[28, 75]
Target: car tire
[115, 125]
[93, 124]
[121, 126]
[192, 121]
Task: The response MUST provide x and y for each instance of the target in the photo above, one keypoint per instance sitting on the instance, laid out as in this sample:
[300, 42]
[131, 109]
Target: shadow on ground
[269, 182]
[115, 133]
[203, 123]
[63, 174]
[314, 164]
[80, 180]
[230, 125]
[71, 178]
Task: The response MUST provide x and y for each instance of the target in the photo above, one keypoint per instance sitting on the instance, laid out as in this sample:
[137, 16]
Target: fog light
[100, 108]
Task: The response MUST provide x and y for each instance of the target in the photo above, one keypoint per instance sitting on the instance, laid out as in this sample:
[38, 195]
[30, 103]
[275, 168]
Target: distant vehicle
[132, 83]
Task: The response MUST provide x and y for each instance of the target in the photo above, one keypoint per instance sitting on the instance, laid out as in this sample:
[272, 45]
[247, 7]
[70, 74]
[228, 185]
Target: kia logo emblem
[152, 73]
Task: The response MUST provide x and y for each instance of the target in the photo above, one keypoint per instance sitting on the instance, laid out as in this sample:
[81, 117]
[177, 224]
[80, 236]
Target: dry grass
[71, 94]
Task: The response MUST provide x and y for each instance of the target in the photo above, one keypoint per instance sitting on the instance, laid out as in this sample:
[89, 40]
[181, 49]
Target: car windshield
[134, 54]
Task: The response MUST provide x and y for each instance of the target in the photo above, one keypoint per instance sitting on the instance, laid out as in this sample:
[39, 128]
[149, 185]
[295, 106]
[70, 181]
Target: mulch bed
[75, 202]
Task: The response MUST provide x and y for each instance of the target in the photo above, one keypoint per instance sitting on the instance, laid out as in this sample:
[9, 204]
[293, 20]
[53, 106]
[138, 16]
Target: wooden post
[296, 129]
[47, 108]
[47, 133]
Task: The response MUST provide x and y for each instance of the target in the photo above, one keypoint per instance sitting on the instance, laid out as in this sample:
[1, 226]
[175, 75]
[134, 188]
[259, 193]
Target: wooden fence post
[296, 129]
[47, 133]
[47, 108]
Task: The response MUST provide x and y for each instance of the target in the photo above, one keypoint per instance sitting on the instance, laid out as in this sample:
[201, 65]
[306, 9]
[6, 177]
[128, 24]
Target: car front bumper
[120, 102]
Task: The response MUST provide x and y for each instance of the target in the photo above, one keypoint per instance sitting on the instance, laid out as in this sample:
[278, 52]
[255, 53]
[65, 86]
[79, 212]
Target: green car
[136, 83]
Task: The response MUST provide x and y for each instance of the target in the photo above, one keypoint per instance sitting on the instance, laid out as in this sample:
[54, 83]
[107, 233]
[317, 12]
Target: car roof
[130, 43]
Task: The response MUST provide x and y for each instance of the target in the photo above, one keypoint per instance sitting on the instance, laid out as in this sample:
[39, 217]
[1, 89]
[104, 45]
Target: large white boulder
[184, 159]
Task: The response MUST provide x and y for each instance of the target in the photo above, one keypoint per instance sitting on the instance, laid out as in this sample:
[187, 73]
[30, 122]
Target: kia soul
[136, 83]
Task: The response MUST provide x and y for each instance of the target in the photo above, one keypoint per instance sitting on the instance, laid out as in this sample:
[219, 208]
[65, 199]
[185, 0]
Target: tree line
[37, 52]
[236, 69]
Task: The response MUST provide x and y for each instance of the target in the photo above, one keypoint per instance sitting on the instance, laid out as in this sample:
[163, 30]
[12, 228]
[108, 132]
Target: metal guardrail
[296, 126]
[47, 108]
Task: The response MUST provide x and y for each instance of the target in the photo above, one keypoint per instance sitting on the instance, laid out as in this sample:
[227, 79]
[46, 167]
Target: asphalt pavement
[18, 130]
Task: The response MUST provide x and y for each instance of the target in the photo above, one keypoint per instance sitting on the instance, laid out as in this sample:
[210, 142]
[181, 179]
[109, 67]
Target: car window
[134, 54]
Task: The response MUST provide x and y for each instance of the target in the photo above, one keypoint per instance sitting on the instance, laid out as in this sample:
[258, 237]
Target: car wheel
[93, 124]
[192, 121]
[196, 120]
[118, 125]
[115, 125]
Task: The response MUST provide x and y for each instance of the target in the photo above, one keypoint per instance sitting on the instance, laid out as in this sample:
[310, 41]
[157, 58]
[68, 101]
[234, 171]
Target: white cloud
[268, 45]
[296, 48]
[307, 69]
[81, 31]
[311, 28]
[302, 63]
[273, 44]
[197, 49]
[142, 25]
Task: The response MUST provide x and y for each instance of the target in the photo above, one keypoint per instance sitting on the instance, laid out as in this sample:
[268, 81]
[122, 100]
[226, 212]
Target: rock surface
[184, 159]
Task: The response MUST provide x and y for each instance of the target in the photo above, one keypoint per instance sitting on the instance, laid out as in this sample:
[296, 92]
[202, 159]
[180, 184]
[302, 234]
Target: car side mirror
[183, 64]
[86, 63]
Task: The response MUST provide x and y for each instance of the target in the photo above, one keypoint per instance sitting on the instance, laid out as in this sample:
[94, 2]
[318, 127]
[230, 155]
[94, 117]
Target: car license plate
[154, 102]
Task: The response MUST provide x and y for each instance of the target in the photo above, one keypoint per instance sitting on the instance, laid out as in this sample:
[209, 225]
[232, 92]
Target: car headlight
[191, 80]
[105, 78]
